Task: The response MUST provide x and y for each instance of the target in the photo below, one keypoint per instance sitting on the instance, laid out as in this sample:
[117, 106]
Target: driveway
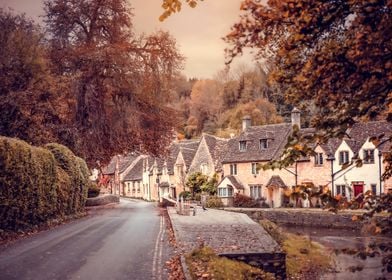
[128, 241]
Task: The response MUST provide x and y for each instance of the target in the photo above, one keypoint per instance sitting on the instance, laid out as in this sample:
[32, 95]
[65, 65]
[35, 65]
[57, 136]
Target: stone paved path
[226, 232]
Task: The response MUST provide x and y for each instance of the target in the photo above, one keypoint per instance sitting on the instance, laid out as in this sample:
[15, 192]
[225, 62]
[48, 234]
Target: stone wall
[102, 200]
[304, 217]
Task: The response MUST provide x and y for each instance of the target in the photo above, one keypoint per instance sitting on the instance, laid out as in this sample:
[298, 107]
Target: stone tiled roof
[124, 162]
[275, 133]
[233, 180]
[188, 148]
[360, 132]
[276, 181]
[217, 147]
[136, 172]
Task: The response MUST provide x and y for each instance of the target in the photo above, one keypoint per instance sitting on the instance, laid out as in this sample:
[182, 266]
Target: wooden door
[358, 188]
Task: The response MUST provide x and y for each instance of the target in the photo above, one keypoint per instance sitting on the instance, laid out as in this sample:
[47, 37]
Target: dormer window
[318, 159]
[368, 156]
[242, 146]
[343, 157]
[263, 144]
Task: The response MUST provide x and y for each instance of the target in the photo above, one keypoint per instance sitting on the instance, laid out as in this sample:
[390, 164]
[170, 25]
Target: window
[254, 168]
[138, 186]
[129, 186]
[341, 189]
[318, 159]
[204, 169]
[255, 191]
[133, 186]
[263, 144]
[179, 168]
[233, 169]
[368, 156]
[225, 192]
[343, 157]
[374, 188]
[242, 146]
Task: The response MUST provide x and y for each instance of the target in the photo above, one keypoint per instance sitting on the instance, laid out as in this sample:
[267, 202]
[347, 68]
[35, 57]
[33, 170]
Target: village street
[128, 241]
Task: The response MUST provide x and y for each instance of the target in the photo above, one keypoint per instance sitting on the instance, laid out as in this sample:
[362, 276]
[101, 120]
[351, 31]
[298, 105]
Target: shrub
[214, 202]
[38, 185]
[93, 190]
[185, 194]
[245, 201]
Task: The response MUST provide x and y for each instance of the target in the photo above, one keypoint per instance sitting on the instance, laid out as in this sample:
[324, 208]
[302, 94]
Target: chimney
[296, 117]
[246, 122]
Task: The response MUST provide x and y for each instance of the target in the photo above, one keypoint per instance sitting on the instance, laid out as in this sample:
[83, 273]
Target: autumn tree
[28, 95]
[120, 82]
[333, 55]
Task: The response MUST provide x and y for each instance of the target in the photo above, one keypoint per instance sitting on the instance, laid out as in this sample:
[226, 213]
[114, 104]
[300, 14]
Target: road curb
[184, 266]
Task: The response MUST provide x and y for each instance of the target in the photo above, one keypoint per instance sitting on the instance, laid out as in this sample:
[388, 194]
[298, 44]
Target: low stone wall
[102, 200]
[232, 235]
[304, 217]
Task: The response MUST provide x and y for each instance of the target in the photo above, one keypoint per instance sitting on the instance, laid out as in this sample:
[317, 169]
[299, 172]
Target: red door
[358, 188]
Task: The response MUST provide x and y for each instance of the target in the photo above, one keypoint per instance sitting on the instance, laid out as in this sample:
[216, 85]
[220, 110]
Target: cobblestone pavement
[226, 232]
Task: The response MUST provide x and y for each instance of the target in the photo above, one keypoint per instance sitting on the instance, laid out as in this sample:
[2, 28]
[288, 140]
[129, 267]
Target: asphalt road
[126, 242]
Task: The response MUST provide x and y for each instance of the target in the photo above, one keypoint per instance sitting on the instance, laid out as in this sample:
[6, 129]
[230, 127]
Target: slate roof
[233, 180]
[275, 133]
[276, 181]
[360, 132]
[136, 172]
[124, 162]
[188, 148]
[188, 155]
[217, 147]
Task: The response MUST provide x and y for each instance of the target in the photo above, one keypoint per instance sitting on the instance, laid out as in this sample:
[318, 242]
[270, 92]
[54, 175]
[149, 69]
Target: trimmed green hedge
[39, 184]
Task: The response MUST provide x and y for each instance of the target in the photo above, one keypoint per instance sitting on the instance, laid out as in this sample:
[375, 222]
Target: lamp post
[379, 170]
[332, 176]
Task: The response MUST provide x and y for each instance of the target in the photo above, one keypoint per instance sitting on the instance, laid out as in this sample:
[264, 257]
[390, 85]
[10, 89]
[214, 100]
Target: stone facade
[244, 175]
[311, 172]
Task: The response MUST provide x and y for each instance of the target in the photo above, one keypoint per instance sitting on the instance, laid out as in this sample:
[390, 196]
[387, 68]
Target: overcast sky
[198, 31]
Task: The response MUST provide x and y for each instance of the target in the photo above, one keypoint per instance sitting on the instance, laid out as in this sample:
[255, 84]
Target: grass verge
[305, 259]
[203, 263]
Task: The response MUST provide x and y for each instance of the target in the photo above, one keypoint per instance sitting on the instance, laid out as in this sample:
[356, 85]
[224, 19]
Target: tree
[333, 55]
[120, 82]
[195, 182]
[29, 100]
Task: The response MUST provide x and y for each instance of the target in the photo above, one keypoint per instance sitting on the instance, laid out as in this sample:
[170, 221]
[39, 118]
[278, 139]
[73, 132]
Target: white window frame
[256, 191]
[368, 156]
[254, 169]
[233, 169]
[263, 144]
[318, 159]
[345, 158]
[242, 146]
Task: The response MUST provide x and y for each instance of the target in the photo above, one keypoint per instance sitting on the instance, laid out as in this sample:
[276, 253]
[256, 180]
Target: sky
[198, 31]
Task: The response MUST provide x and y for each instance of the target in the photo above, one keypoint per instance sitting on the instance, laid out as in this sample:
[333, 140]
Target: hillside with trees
[217, 106]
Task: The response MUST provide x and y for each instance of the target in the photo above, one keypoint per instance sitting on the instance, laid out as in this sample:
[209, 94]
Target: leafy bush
[245, 201]
[214, 202]
[185, 194]
[38, 184]
[93, 190]
[196, 181]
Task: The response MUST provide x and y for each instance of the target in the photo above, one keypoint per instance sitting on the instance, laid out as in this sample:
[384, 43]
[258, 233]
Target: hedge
[39, 184]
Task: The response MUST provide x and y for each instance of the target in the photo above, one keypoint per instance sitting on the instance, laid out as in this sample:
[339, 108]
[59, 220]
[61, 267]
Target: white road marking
[155, 261]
